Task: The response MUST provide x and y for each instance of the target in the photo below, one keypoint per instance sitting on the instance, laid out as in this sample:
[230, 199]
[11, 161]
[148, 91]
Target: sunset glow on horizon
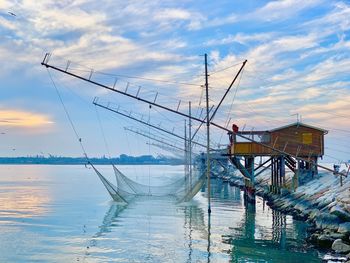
[24, 119]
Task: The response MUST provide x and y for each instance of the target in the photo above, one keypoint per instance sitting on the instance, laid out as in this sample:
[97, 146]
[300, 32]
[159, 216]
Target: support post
[315, 165]
[250, 188]
[283, 171]
[272, 174]
[341, 179]
[277, 174]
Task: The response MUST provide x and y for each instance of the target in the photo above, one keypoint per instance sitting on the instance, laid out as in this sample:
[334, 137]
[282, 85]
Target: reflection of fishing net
[182, 190]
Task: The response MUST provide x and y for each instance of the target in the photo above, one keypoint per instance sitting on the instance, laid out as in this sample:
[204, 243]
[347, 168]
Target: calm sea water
[63, 214]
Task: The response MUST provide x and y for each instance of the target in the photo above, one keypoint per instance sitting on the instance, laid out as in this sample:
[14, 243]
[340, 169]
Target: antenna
[296, 114]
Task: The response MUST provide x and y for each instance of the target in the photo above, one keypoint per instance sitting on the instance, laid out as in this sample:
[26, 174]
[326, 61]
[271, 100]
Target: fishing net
[183, 190]
[112, 190]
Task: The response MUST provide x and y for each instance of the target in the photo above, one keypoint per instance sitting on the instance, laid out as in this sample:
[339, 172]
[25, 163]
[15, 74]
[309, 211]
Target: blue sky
[298, 63]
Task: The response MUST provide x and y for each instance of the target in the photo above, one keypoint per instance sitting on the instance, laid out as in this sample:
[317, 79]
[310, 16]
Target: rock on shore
[322, 202]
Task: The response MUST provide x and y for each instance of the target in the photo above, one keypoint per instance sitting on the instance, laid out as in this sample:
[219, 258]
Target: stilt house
[296, 146]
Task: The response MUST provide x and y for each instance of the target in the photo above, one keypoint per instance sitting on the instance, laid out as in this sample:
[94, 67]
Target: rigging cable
[102, 132]
[233, 100]
[149, 149]
[129, 149]
[223, 69]
[68, 117]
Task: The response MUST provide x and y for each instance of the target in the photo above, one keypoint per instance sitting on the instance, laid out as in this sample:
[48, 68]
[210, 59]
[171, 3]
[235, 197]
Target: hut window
[307, 138]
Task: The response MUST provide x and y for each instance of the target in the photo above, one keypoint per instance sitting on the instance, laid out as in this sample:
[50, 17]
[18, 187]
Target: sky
[298, 68]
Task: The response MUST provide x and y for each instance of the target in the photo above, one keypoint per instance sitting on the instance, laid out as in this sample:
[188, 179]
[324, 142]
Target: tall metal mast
[186, 151]
[208, 129]
[190, 142]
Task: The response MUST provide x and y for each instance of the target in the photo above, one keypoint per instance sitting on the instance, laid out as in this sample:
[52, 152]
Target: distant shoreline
[122, 160]
[53, 164]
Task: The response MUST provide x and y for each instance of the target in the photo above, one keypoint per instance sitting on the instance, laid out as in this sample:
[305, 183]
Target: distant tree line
[122, 159]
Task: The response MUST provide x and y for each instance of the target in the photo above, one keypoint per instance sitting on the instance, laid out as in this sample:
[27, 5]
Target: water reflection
[188, 225]
[209, 233]
[108, 221]
[76, 223]
[195, 226]
[279, 229]
[256, 243]
[261, 234]
[195, 223]
[24, 195]
[252, 233]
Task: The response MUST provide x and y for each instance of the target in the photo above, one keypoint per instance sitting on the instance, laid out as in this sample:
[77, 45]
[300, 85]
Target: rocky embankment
[321, 202]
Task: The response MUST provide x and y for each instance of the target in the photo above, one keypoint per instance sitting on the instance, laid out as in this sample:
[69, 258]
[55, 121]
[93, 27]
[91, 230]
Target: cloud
[241, 39]
[216, 22]
[282, 9]
[24, 119]
[273, 11]
[4, 5]
[173, 14]
[51, 20]
[336, 19]
[168, 16]
[6, 23]
[97, 37]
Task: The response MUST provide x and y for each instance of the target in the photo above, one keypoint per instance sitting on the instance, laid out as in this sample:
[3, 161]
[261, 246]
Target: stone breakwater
[323, 203]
